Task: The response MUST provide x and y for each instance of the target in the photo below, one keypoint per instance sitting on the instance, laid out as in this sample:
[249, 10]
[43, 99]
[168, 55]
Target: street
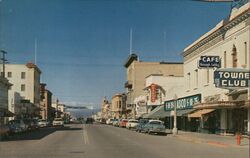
[103, 141]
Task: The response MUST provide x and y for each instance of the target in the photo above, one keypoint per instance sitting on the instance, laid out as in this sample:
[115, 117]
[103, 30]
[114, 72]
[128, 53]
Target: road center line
[85, 135]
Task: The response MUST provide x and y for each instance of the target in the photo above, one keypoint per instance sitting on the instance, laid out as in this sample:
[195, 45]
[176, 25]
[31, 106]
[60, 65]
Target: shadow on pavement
[38, 134]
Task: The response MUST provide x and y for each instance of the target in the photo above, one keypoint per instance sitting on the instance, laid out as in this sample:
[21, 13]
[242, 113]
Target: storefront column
[248, 122]
[223, 121]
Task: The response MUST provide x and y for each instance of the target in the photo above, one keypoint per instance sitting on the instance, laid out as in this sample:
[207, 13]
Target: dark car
[15, 127]
[140, 125]
[154, 126]
[89, 120]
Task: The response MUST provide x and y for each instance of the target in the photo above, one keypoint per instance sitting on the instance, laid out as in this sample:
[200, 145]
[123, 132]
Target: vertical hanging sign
[153, 93]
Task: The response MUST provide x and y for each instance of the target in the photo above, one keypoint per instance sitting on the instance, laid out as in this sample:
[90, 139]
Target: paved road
[102, 141]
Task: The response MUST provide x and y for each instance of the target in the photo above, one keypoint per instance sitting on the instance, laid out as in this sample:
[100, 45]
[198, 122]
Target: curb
[205, 141]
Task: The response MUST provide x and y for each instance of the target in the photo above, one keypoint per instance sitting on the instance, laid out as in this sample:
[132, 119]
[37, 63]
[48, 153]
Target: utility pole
[175, 130]
[3, 62]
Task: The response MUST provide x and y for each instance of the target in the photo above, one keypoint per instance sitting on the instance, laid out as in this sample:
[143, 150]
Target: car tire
[148, 132]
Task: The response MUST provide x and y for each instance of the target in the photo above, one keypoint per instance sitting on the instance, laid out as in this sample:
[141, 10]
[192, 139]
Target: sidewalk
[212, 139]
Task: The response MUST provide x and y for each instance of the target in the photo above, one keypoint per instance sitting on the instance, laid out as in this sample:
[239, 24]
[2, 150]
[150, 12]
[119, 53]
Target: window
[9, 74]
[23, 75]
[234, 57]
[23, 87]
[196, 78]
[225, 59]
[189, 80]
[207, 76]
[246, 56]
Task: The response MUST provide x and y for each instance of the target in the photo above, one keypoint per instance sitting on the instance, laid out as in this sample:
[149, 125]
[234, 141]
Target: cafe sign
[209, 62]
[182, 103]
[231, 78]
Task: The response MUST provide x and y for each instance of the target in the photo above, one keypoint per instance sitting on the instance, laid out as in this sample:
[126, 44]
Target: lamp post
[175, 130]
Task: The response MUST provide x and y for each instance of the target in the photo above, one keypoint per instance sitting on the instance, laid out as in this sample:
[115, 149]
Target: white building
[24, 95]
[4, 87]
[160, 88]
[229, 109]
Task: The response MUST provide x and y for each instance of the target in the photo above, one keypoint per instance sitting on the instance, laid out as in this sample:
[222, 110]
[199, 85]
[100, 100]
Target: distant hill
[83, 112]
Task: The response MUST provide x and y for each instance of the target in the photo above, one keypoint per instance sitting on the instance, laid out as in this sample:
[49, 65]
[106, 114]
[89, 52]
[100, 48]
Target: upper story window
[246, 53]
[189, 80]
[225, 59]
[234, 57]
[196, 78]
[22, 87]
[9, 74]
[23, 75]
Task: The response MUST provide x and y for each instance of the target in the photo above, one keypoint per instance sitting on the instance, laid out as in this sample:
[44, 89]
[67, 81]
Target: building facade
[46, 111]
[105, 109]
[118, 106]
[4, 88]
[24, 95]
[229, 107]
[138, 70]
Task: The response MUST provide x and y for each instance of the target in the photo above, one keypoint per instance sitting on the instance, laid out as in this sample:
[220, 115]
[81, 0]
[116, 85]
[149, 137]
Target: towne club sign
[182, 103]
[209, 62]
[232, 78]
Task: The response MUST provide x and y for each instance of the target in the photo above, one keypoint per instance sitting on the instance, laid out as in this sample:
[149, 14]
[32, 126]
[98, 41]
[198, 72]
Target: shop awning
[199, 113]
[184, 112]
[158, 112]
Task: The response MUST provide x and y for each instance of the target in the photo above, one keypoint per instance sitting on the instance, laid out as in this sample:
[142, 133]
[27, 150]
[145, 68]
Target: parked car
[23, 125]
[58, 122]
[89, 120]
[132, 123]
[30, 123]
[43, 123]
[15, 127]
[140, 124]
[123, 123]
[4, 131]
[115, 122]
[109, 121]
[154, 126]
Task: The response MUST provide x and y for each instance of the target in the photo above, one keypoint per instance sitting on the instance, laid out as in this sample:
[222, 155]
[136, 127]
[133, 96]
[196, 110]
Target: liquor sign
[232, 78]
[153, 93]
[209, 62]
[182, 103]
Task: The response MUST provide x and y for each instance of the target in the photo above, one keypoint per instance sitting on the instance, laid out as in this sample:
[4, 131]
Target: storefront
[184, 106]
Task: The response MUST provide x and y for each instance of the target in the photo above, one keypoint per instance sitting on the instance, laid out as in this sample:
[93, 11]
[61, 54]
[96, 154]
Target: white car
[132, 123]
[58, 122]
[43, 123]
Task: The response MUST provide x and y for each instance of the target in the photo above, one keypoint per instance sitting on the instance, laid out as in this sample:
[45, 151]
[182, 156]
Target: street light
[175, 130]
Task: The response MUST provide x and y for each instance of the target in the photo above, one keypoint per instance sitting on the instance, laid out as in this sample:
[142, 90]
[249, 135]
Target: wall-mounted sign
[182, 103]
[153, 93]
[209, 62]
[232, 78]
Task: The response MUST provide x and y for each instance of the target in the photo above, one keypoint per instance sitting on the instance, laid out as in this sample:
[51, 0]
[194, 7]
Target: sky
[82, 45]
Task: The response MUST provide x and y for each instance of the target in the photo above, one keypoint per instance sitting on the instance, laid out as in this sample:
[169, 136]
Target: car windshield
[156, 123]
[134, 121]
[125, 78]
